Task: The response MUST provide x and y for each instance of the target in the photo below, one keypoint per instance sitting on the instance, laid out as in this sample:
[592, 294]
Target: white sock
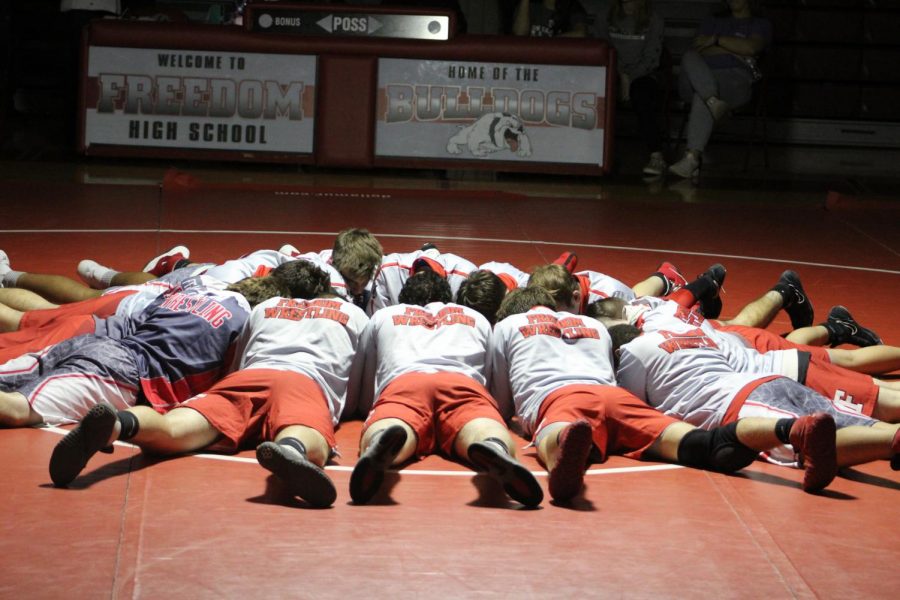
[11, 278]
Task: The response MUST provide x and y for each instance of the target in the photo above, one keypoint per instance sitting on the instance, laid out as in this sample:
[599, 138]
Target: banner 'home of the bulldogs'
[200, 100]
[436, 109]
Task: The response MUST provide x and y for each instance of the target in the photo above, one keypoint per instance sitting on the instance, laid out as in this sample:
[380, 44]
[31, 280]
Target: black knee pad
[716, 450]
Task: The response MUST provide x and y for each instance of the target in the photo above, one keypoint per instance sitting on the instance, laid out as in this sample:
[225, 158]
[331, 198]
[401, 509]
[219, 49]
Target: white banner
[491, 111]
[200, 99]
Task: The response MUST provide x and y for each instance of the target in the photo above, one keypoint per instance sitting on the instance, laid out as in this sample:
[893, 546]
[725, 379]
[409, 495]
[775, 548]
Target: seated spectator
[717, 74]
[636, 32]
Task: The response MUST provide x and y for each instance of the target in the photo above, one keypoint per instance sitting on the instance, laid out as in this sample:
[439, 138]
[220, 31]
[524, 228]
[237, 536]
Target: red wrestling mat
[214, 527]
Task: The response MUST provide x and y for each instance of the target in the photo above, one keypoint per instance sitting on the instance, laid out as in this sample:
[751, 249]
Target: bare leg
[815, 335]
[23, 300]
[754, 432]
[131, 278]
[16, 412]
[56, 288]
[666, 445]
[887, 408]
[9, 319]
[857, 445]
[760, 312]
[873, 360]
[652, 286]
[180, 430]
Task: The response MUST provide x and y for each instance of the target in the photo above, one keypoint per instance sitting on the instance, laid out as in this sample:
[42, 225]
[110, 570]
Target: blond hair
[356, 253]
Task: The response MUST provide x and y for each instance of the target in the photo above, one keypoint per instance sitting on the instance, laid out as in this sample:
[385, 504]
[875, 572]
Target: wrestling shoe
[895, 448]
[718, 108]
[430, 250]
[656, 165]
[4, 267]
[843, 329]
[167, 261]
[796, 303]
[567, 477]
[74, 451]
[368, 474]
[301, 477]
[674, 279]
[813, 438]
[711, 301]
[289, 250]
[518, 482]
[568, 260]
[94, 274]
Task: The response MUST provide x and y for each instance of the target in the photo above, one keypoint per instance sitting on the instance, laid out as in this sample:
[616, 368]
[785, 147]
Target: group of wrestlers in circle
[436, 354]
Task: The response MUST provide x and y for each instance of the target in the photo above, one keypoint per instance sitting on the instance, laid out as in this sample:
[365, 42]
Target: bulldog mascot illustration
[492, 132]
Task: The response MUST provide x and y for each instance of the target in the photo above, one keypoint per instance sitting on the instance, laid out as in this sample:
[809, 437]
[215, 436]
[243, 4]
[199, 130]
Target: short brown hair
[557, 281]
[607, 308]
[356, 254]
[483, 291]
[521, 300]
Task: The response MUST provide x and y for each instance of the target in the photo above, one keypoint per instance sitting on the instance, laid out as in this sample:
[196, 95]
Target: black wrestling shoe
[368, 474]
[843, 329]
[567, 477]
[301, 477]
[518, 482]
[711, 303]
[796, 303]
[73, 452]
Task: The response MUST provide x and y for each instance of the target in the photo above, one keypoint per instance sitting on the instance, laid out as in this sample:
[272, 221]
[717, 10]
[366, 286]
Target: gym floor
[206, 526]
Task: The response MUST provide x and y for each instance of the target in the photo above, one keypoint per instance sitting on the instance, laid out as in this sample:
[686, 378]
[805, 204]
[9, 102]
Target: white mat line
[469, 239]
[347, 469]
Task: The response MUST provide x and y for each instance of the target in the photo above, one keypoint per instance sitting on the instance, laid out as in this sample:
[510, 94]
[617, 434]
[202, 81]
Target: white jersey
[511, 275]
[414, 339]
[654, 314]
[261, 262]
[396, 268]
[597, 286]
[318, 338]
[683, 374]
[540, 351]
[250, 265]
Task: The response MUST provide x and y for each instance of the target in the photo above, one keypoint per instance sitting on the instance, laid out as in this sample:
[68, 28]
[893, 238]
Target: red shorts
[765, 341]
[622, 424]
[253, 405]
[101, 306]
[843, 386]
[835, 383]
[17, 343]
[39, 329]
[436, 406]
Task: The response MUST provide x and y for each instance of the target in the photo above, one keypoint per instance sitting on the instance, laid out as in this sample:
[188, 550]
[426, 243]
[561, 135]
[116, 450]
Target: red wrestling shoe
[167, 261]
[813, 438]
[567, 477]
[675, 279]
[568, 260]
